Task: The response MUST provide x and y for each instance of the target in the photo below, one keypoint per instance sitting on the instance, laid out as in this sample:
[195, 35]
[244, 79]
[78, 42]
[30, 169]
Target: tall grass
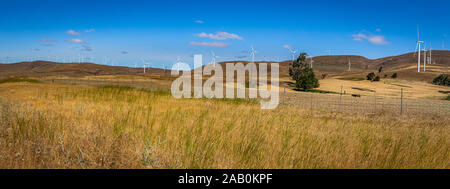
[64, 126]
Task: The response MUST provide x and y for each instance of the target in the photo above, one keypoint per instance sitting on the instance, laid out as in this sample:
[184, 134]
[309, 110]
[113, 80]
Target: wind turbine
[311, 61]
[293, 51]
[349, 64]
[418, 49]
[145, 63]
[429, 58]
[252, 53]
[424, 56]
[214, 58]
[177, 63]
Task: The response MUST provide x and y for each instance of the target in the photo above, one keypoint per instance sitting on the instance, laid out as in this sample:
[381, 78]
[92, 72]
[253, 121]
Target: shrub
[370, 76]
[448, 98]
[377, 78]
[394, 75]
[442, 80]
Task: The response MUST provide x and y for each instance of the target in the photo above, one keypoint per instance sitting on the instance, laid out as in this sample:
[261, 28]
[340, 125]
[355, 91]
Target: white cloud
[90, 30]
[79, 41]
[359, 37]
[220, 36]
[72, 32]
[199, 21]
[86, 48]
[378, 40]
[214, 44]
[374, 39]
[47, 41]
[287, 47]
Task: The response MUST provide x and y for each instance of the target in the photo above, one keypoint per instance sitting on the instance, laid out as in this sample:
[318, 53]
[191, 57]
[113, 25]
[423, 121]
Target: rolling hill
[405, 65]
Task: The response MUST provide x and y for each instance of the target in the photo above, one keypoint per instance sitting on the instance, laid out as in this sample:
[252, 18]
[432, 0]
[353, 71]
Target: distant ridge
[333, 64]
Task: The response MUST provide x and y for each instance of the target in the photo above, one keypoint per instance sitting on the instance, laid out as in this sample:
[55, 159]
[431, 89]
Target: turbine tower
[418, 42]
[310, 61]
[424, 57]
[214, 58]
[178, 61]
[144, 63]
[293, 51]
[252, 53]
[429, 58]
[349, 64]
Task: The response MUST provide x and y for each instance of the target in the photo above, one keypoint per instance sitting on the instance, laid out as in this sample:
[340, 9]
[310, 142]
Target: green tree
[370, 76]
[303, 75]
[394, 75]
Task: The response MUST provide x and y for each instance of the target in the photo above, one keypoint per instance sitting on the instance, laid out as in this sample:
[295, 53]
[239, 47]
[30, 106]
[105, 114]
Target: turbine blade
[417, 32]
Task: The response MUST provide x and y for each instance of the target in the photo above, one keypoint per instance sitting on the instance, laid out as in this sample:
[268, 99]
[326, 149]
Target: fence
[313, 101]
[367, 104]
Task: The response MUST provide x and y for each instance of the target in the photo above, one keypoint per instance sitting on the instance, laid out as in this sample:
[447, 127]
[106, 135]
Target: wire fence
[314, 101]
[367, 104]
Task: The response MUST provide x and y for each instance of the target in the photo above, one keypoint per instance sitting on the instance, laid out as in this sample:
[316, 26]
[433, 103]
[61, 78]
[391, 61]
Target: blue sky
[125, 32]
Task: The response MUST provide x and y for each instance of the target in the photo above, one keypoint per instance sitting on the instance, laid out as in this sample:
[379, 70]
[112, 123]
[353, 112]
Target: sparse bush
[370, 76]
[385, 75]
[394, 75]
[324, 75]
[377, 78]
[380, 69]
[448, 98]
[442, 80]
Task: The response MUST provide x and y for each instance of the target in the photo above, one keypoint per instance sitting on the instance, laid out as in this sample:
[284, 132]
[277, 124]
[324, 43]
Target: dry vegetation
[45, 125]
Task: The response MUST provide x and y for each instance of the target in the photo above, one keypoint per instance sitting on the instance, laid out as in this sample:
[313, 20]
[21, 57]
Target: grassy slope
[63, 126]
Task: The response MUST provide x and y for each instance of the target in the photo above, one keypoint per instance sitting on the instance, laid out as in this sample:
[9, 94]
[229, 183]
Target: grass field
[51, 125]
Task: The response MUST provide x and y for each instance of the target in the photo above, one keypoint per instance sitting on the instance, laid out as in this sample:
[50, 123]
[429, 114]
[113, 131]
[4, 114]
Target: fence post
[401, 103]
[284, 93]
[340, 100]
[375, 105]
[311, 100]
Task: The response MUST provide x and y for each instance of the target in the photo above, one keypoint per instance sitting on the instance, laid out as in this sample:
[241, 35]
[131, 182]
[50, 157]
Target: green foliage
[380, 69]
[394, 75]
[303, 75]
[448, 98]
[377, 78]
[442, 80]
[370, 76]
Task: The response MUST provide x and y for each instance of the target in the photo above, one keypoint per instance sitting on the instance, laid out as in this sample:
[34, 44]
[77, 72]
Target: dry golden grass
[46, 125]
[386, 87]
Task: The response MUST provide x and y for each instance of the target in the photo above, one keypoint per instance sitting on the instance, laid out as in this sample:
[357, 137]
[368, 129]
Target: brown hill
[45, 68]
[405, 65]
